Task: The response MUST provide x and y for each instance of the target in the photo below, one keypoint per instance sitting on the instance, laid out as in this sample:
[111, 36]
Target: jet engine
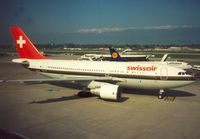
[106, 91]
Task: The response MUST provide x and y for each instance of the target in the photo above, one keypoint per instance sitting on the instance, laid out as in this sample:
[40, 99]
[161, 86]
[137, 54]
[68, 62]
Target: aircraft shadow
[61, 84]
[67, 85]
[54, 100]
[172, 93]
[74, 97]
[123, 99]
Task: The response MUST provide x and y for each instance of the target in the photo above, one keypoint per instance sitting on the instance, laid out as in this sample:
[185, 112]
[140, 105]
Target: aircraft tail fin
[115, 56]
[25, 47]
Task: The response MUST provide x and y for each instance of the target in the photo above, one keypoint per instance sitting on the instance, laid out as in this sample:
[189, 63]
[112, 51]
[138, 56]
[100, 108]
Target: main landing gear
[84, 94]
[161, 94]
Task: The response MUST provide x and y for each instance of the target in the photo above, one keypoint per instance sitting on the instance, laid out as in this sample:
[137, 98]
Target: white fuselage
[144, 75]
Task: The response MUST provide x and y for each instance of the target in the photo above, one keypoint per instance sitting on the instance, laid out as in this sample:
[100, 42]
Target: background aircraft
[115, 56]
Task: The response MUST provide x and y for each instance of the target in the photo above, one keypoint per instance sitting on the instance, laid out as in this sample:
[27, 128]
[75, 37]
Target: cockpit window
[182, 73]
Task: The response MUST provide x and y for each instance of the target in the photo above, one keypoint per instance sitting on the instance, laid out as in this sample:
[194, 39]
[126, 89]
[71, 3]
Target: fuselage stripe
[131, 76]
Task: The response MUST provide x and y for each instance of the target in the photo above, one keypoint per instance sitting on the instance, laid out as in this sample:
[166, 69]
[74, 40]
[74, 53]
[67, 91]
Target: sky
[103, 21]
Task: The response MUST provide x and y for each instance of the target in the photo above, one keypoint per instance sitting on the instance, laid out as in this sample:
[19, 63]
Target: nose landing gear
[161, 94]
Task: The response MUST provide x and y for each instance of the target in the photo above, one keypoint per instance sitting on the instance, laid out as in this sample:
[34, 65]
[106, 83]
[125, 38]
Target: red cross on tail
[25, 47]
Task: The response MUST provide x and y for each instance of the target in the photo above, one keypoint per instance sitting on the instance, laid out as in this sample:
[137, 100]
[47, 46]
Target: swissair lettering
[140, 68]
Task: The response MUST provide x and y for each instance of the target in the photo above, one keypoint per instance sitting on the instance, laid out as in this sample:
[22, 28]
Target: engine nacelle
[107, 91]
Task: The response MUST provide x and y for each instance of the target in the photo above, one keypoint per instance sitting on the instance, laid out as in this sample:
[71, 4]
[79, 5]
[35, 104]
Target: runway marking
[169, 98]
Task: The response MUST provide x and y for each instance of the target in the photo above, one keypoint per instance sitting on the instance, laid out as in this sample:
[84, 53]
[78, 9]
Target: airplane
[102, 78]
[107, 57]
[179, 64]
[115, 56]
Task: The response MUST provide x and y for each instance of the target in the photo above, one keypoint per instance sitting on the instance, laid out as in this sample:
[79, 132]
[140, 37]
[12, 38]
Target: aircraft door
[107, 72]
[44, 66]
[163, 74]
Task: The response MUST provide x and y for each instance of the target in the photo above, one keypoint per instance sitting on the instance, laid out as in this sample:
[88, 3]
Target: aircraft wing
[64, 79]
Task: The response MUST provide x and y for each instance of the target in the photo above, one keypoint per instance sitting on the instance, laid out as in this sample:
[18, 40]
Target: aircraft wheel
[160, 94]
[84, 94]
